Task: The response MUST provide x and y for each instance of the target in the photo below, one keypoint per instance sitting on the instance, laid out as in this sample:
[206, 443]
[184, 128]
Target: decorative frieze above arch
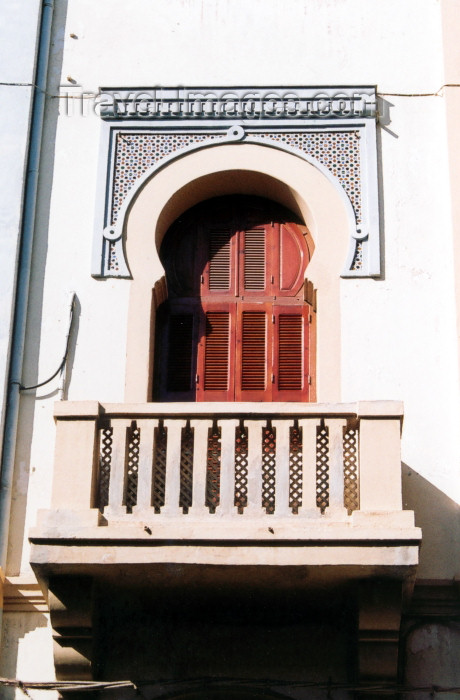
[146, 130]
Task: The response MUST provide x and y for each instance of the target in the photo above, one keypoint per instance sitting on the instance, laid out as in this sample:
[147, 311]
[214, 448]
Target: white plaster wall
[398, 333]
[18, 37]
[397, 338]
[27, 653]
[97, 358]
[232, 42]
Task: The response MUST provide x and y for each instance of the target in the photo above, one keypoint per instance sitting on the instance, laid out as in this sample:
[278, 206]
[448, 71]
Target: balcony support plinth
[380, 603]
[71, 612]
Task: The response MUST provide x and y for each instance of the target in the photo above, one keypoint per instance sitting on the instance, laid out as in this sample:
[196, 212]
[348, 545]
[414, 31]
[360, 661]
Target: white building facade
[245, 268]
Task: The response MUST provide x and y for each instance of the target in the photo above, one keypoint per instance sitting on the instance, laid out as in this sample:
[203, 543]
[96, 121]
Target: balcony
[138, 487]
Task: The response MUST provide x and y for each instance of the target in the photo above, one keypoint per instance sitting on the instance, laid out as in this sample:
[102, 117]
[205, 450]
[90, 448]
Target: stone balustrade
[228, 461]
[252, 497]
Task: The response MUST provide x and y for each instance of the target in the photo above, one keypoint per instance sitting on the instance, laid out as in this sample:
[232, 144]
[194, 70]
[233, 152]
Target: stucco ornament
[333, 129]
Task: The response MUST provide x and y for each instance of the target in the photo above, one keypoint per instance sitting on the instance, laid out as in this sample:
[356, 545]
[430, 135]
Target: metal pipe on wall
[23, 277]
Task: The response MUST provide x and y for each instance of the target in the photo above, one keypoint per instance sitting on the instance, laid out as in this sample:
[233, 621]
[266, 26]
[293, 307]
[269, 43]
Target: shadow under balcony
[140, 489]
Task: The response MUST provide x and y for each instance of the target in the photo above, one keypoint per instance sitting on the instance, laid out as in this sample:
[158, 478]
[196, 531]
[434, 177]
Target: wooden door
[236, 326]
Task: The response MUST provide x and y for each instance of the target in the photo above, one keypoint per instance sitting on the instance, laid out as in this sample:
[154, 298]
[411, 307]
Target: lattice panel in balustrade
[213, 469]
[350, 469]
[132, 470]
[159, 469]
[268, 469]
[186, 469]
[322, 467]
[105, 459]
[295, 468]
[241, 468]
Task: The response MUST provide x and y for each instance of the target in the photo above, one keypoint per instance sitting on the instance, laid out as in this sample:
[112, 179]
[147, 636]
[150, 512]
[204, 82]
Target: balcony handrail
[359, 409]
[250, 459]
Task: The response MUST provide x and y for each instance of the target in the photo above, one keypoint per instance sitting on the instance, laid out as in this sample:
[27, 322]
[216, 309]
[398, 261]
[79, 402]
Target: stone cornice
[230, 103]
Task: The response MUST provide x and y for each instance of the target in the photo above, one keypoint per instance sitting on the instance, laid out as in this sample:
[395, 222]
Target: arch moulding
[243, 168]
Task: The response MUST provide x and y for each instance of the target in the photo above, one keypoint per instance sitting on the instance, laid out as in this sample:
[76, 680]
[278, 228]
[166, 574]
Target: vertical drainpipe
[23, 278]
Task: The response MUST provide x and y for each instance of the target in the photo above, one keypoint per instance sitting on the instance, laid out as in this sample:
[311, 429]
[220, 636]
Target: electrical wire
[62, 686]
[418, 94]
[66, 352]
[262, 685]
[90, 95]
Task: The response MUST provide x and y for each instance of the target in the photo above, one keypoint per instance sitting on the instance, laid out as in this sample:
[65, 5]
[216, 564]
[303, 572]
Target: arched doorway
[238, 324]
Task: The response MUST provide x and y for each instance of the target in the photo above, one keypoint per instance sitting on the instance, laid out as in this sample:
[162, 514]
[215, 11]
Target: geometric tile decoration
[136, 153]
[143, 129]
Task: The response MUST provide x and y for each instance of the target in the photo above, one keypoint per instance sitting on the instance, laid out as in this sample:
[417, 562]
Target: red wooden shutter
[218, 273]
[310, 300]
[239, 326]
[254, 261]
[254, 341]
[291, 353]
[292, 260]
[219, 259]
[253, 350]
[216, 352]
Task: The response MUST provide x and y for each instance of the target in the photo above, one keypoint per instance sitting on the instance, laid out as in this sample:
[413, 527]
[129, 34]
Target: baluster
[254, 506]
[200, 463]
[145, 468]
[309, 507]
[227, 467]
[172, 477]
[336, 479]
[117, 484]
[282, 467]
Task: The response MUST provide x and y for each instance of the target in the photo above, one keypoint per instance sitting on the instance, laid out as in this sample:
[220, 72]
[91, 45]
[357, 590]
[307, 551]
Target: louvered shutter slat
[254, 260]
[253, 351]
[216, 365]
[219, 259]
[290, 352]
